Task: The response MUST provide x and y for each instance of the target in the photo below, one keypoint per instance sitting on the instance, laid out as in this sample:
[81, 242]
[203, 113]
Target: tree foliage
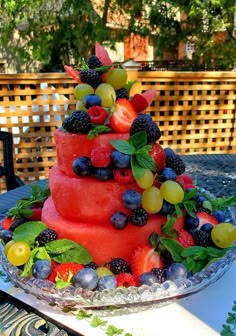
[57, 32]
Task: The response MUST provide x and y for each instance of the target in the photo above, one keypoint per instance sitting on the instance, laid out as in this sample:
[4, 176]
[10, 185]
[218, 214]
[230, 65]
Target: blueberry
[86, 278]
[220, 216]
[103, 174]
[207, 227]
[106, 282]
[167, 174]
[120, 160]
[119, 220]
[82, 166]
[131, 199]
[191, 223]
[7, 235]
[166, 209]
[147, 278]
[175, 271]
[42, 269]
[92, 100]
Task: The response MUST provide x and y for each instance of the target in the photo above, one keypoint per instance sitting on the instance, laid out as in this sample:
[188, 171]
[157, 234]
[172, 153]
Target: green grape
[223, 235]
[18, 254]
[102, 271]
[116, 78]
[107, 94]
[152, 200]
[172, 192]
[80, 106]
[146, 181]
[82, 90]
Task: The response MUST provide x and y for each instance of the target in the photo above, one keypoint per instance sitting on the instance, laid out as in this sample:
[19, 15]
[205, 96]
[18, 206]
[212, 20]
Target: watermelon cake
[121, 210]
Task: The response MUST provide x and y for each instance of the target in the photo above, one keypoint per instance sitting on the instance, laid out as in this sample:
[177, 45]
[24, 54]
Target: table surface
[202, 314]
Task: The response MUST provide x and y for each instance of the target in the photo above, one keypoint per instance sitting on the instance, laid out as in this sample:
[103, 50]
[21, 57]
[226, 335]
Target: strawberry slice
[65, 272]
[144, 259]
[204, 218]
[73, 73]
[123, 116]
[159, 156]
[6, 222]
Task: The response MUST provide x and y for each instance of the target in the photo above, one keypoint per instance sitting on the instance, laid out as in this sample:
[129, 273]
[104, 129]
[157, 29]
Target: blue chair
[12, 181]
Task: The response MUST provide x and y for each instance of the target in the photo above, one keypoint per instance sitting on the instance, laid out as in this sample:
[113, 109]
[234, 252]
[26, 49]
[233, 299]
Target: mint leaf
[221, 202]
[168, 228]
[60, 245]
[103, 69]
[146, 161]
[79, 255]
[173, 247]
[137, 170]
[193, 251]
[36, 253]
[96, 130]
[138, 140]
[27, 232]
[129, 85]
[144, 150]
[123, 146]
[178, 210]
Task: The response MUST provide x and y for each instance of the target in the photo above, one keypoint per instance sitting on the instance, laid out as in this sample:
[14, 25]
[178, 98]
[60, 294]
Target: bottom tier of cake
[103, 241]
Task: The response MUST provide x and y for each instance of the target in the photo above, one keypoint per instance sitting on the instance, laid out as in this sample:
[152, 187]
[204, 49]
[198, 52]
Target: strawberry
[123, 175]
[97, 114]
[139, 102]
[185, 238]
[6, 222]
[125, 280]
[36, 214]
[73, 73]
[65, 271]
[159, 156]
[123, 116]
[144, 259]
[100, 157]
[204, 218]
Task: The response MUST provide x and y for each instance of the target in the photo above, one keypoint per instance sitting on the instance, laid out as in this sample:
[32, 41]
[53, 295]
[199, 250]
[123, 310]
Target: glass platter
[128, 299]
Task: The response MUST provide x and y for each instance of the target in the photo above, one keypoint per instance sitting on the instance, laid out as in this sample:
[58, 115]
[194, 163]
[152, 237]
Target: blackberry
[94, 62]
[139, 217]
[92, 265]
[144, 122]
[119, 265]
[91, 77]
[45, 237]
[78, 122]
[159, 273]
[176, 163]
[122, 93]
[202, 238]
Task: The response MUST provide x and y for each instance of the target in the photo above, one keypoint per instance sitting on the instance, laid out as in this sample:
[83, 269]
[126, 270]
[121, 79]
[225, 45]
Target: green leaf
[123, 146]
[103, 69]
[113, 331]
[146, 161]
[83, 314]
[97, 322]
[129, 85]
[78, 255]
[138, 140]
[193, 251]
[96, 130]
[168, 227]
[173, 247]
[144, 150]
[137, 170]
[28, 232]
[60, 246]
[178, 210]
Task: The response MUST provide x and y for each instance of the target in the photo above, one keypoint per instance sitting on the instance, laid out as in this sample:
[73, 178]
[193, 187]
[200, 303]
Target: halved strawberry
[204, 218]
[6, 222]
[123, 116]
[159, 156]
[65, 272]
[139, 102]
[73, 73]
[144, 259]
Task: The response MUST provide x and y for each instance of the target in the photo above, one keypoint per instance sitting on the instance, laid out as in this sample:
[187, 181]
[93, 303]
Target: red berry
[159, 156]
[100, 157]
[139, 102]
[73, 73]
[125, 280]
[123, 116]
[97, 114]
[65, 271]
[6, 222]
[36, 215]
[123, 175]
[185, 238]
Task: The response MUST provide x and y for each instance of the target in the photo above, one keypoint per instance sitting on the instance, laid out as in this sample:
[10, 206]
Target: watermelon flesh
[102, 240]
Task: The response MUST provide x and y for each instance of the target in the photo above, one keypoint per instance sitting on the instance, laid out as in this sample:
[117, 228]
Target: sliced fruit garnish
[139, 102]
[123, 116]
[204, 218]
[102, 54]
[65, 272]
[73, 73]
[144, 259]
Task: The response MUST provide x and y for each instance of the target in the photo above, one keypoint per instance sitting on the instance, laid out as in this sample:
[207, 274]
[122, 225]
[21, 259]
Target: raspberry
[159, 156]
[119, 265]
[123, 175]
[139, 102]
[100, 157]
[185, 238]
[97, 114]
[125, 280]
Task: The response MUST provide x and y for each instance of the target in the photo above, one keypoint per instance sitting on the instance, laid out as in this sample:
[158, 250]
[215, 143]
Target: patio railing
[196, 112]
